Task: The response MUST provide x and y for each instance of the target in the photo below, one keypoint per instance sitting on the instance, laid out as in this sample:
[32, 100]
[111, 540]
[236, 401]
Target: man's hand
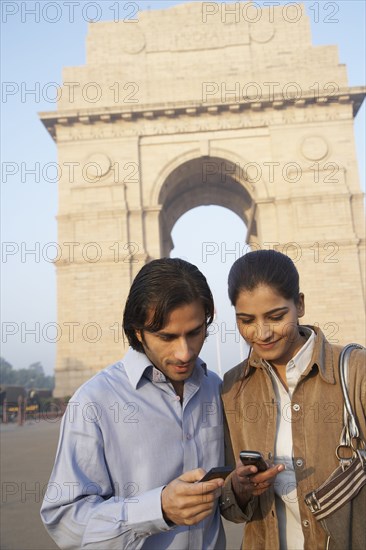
[247, 482]
[185, 502]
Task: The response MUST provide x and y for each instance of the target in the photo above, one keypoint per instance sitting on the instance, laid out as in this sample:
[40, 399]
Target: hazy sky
[34, 51]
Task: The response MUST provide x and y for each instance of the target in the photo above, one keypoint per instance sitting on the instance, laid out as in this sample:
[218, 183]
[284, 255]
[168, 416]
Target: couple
[142, 433]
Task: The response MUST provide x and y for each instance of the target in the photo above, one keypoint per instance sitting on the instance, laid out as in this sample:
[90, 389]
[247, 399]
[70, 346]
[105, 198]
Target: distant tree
[32, 377]
[22, 376]
[7, 374]
[37, 369]
[48, 383]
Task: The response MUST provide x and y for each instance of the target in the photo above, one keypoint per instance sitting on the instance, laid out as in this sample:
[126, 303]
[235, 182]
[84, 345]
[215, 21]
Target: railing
[24, 411]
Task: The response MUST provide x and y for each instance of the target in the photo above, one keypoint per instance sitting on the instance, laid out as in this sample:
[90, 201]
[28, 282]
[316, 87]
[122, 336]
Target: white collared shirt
[291, 535]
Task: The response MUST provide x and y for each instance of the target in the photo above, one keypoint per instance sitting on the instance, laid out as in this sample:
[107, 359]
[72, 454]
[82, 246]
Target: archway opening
[212, 238]
[205, 181]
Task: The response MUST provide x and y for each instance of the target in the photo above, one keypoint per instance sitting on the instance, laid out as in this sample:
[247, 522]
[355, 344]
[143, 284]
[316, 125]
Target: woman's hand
[247, 482]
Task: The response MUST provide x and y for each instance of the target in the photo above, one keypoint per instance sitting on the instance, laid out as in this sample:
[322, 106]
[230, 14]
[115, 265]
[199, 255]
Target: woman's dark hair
[160, 287]
[264, 267]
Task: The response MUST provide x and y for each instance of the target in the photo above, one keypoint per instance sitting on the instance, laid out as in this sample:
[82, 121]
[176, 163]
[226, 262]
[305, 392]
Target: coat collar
[322, 358]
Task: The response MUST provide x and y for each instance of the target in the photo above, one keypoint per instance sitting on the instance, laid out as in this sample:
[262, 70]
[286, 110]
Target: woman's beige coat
[317, 420]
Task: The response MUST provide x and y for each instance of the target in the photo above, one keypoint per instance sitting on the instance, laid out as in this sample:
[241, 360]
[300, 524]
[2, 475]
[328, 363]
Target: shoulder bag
[346, 482]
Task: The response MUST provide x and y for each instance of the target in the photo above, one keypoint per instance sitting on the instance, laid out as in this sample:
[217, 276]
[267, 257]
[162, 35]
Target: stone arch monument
[203, 103]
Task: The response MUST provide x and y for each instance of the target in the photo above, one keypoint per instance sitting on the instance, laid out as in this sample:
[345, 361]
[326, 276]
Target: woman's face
[268, 323]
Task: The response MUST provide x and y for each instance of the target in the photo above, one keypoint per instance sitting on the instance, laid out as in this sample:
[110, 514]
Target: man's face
[175, 348]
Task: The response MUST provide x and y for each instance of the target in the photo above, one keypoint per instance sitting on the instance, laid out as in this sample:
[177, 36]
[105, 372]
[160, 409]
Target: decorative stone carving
[261, 34]
[314, 148]
[132, 39]
[97, 165]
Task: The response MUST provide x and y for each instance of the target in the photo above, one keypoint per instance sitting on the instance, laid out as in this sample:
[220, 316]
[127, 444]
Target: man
[139, 435]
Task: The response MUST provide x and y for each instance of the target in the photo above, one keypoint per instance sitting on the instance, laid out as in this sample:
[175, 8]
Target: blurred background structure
[193, 106]
[212, 235]
[208, 127]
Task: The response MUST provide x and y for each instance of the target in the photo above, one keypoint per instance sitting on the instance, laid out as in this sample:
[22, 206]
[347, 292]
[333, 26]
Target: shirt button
[299, 462]
[188, 436]
[296, 407]
[306, 523]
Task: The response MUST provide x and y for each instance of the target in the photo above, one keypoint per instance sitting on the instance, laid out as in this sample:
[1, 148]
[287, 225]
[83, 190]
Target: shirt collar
[137, 365]
[301, 360]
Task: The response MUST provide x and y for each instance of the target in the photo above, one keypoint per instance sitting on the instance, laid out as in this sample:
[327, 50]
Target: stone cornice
[306, 244]
[309, 199]
[353, 96]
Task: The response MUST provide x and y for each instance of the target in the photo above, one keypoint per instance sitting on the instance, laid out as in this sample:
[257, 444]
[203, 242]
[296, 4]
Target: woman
[284, 401]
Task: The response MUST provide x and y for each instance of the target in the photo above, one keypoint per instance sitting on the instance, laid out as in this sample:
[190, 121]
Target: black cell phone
[214, 473]
[253, 458]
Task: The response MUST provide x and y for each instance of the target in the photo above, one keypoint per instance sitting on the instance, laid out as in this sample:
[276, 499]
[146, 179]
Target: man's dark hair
[160, 287]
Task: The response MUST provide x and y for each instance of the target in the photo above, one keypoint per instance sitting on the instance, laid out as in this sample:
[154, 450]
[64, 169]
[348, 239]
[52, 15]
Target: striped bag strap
[350, 442]
[348, 479]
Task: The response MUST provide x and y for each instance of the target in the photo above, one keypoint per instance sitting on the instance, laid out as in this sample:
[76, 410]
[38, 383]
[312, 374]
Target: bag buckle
[312, 502]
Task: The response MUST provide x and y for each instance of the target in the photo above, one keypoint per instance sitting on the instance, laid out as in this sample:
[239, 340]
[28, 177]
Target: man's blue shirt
[124, 436]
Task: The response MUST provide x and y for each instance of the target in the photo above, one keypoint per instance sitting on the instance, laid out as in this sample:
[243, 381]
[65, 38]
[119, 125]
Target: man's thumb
[192, 475]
